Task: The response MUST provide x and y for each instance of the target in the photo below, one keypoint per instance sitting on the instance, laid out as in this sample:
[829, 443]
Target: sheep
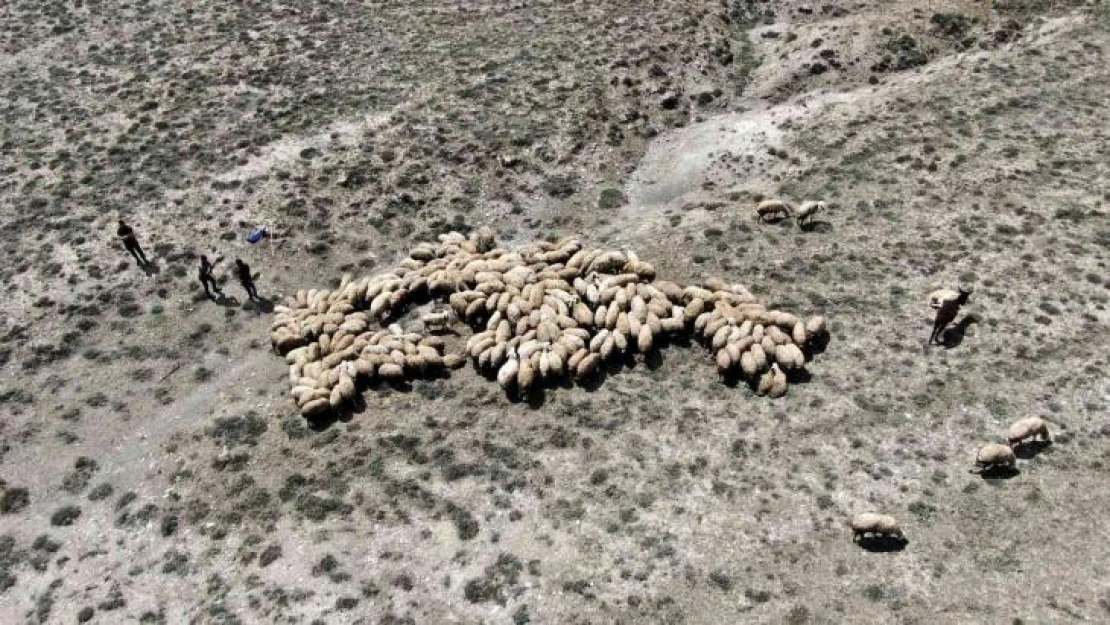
[993, 456]
[1028, 428]
[947, 307]
[772, 208]
[436, 321]
[807, 211]
[875, 525]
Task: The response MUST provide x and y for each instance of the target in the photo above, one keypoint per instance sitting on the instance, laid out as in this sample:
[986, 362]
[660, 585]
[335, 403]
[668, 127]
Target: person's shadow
[151, 268]
[222, 299]
[259, 304]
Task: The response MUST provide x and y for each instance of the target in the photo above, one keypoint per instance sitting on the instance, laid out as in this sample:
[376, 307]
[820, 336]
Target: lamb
[875, 525]
[993, 456]
[947, 303]
[772, 208]
[1028, 428]
[807, 211]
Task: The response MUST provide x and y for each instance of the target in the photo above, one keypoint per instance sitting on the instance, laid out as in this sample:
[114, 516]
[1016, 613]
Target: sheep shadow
[357, 405]
[654, 360]
[775, 220]
[882, 544]
[817, 225]
[732, 378]
[1029, 449]
[954, 335]
[799, 376]
[534, 398]
[345, 414]
[594, 382]
[999, 473]
[816, 345]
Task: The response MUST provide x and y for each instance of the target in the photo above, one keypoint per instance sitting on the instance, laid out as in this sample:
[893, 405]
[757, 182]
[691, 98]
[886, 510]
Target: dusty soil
[155, 470]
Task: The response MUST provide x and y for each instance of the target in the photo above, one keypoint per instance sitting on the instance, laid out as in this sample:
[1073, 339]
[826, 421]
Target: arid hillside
[155, 469]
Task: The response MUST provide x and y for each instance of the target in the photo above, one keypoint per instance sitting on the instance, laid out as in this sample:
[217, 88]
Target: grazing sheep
[947, 308]
[1028, 428]
[994, 456]
[772, 208]
[807, 211]
[875, 525]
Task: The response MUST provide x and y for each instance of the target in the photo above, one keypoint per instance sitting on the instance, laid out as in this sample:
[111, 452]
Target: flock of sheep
[542, 312]
[548, 311]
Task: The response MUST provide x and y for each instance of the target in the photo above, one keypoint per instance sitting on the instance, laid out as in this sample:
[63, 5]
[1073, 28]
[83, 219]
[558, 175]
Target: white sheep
[993, 456]
[875, 525]
[772, 208]
[807, 211]
[1028, 428]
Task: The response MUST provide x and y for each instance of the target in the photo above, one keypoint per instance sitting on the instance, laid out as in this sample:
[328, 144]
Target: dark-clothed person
[246, 279]
[131, 243]
[207, 280]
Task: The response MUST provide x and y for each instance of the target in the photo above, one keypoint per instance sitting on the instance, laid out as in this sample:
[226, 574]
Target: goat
[947, 310]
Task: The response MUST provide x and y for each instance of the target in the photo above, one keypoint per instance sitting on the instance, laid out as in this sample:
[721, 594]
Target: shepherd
[207, 279]
[131, 243]
[246, 279]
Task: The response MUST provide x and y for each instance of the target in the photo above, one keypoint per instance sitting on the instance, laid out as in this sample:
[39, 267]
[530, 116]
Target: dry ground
[154, 470]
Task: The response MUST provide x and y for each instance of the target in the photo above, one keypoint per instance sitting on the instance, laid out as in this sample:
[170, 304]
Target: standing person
[127, 235]
[206, 278]
[245, 278]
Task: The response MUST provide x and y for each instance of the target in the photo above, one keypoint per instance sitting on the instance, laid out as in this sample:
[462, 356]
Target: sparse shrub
[346, 603]
[952, 25]
[720, 579]
[561, 186]
[494, 583]
[232, 431]
[175, 562]
[14, 499]
[100, 491]
[317, 506]
[126, 499]
[465, 523]
[269, 555]
[202, 373]
[83, 470]
[610, 199]
[66, 515]
[169, 525]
